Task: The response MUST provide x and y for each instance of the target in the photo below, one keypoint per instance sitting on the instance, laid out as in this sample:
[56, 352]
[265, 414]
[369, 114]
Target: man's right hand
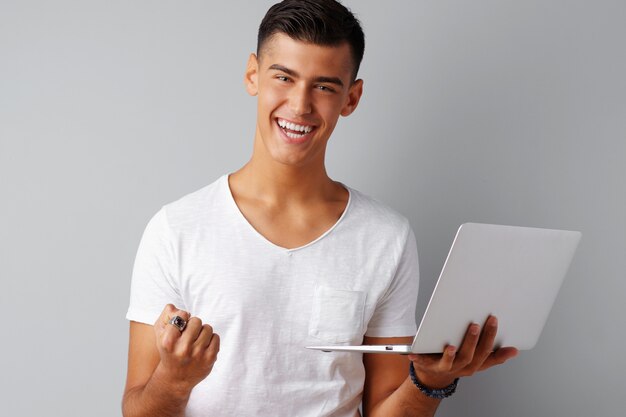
[187, 357]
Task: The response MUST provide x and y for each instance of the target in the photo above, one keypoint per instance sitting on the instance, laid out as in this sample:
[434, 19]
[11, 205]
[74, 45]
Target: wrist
[440, 388]
[433, 383]
[165, 382]
[432, 380]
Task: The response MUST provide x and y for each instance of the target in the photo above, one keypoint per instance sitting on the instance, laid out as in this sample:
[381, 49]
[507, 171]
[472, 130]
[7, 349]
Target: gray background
[488, 111]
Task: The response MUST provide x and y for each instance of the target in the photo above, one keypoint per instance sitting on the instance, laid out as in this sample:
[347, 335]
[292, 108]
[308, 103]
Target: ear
[252, 75]
[354, 95]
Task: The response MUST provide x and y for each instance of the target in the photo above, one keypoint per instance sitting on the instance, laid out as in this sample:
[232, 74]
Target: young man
[277, 256]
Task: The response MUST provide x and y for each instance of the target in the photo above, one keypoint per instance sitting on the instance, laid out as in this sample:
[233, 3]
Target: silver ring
[178, 322]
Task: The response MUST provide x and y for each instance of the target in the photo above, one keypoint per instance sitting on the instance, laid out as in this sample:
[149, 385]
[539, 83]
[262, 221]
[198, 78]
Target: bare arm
[165, 364]
[148, 392]
[389, 391]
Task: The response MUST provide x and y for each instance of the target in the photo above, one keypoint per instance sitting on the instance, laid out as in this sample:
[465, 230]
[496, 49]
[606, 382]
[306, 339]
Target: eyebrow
[320, 79]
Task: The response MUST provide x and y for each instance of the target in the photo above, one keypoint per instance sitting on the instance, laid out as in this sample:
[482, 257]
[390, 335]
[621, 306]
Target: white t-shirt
[267, 302]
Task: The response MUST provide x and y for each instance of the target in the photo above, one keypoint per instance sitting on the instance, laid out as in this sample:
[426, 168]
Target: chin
[289, 154]
[291, 158]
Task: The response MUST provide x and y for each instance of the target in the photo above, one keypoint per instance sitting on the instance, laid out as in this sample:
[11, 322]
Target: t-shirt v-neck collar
[231, 201]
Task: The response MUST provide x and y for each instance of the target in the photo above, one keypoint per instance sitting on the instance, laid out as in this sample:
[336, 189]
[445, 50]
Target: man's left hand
[475, 354]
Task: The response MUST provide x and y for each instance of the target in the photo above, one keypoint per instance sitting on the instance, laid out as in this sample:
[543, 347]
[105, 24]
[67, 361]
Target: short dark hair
[321, 22]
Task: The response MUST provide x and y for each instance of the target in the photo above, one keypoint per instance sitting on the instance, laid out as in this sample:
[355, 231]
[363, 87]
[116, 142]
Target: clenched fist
[188, 356]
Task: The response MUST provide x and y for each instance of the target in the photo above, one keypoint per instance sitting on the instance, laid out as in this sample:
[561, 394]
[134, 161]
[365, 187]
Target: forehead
[305, 57]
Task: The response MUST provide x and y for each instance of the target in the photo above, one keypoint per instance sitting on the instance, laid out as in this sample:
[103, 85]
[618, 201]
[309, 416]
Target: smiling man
[277, 256]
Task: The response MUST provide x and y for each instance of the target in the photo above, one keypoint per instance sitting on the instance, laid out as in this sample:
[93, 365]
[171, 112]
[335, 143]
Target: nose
[300, 100]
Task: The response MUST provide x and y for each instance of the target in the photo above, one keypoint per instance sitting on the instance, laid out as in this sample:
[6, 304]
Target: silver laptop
[511, 272]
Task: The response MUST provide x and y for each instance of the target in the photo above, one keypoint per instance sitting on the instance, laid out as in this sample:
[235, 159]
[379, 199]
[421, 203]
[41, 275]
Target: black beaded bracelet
[430, 392]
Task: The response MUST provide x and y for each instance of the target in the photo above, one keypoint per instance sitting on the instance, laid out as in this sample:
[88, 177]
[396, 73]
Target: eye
[325, 88]
[282, 78]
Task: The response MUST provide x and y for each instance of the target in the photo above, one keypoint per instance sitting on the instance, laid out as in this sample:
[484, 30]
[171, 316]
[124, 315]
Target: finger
[447, 358]
[466, 352]
[485, 343]
[169, 333]
[191, 332]
[168, 338]
[213, 348]
[168, 312]
[204, 338]
[499, 357]
[162, 320]
[177, 312]
[425, 360]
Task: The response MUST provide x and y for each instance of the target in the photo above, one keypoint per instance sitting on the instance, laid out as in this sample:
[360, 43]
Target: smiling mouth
[293, 130]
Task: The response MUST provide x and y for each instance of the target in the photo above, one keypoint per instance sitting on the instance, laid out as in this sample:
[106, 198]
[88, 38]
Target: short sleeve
[395, 313]
[154, 277]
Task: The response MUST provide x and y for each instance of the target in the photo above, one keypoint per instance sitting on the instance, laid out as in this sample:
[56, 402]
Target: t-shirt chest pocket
[337, 315]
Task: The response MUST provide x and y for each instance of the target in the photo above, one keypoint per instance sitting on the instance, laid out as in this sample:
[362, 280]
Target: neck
[282, 183]
[275, 182]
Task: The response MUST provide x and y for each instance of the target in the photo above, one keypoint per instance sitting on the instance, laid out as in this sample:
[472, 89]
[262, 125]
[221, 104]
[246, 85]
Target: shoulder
[376, 219]
[197, 206]
[376, 212]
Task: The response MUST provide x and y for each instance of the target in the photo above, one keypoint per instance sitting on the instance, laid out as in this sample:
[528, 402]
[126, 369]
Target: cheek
[330, 110]
[270, 96]
[267, 105]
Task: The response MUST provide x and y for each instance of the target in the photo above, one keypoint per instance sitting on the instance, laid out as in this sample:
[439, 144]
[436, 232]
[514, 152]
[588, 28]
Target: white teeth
[292, 126]
[293, 135]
